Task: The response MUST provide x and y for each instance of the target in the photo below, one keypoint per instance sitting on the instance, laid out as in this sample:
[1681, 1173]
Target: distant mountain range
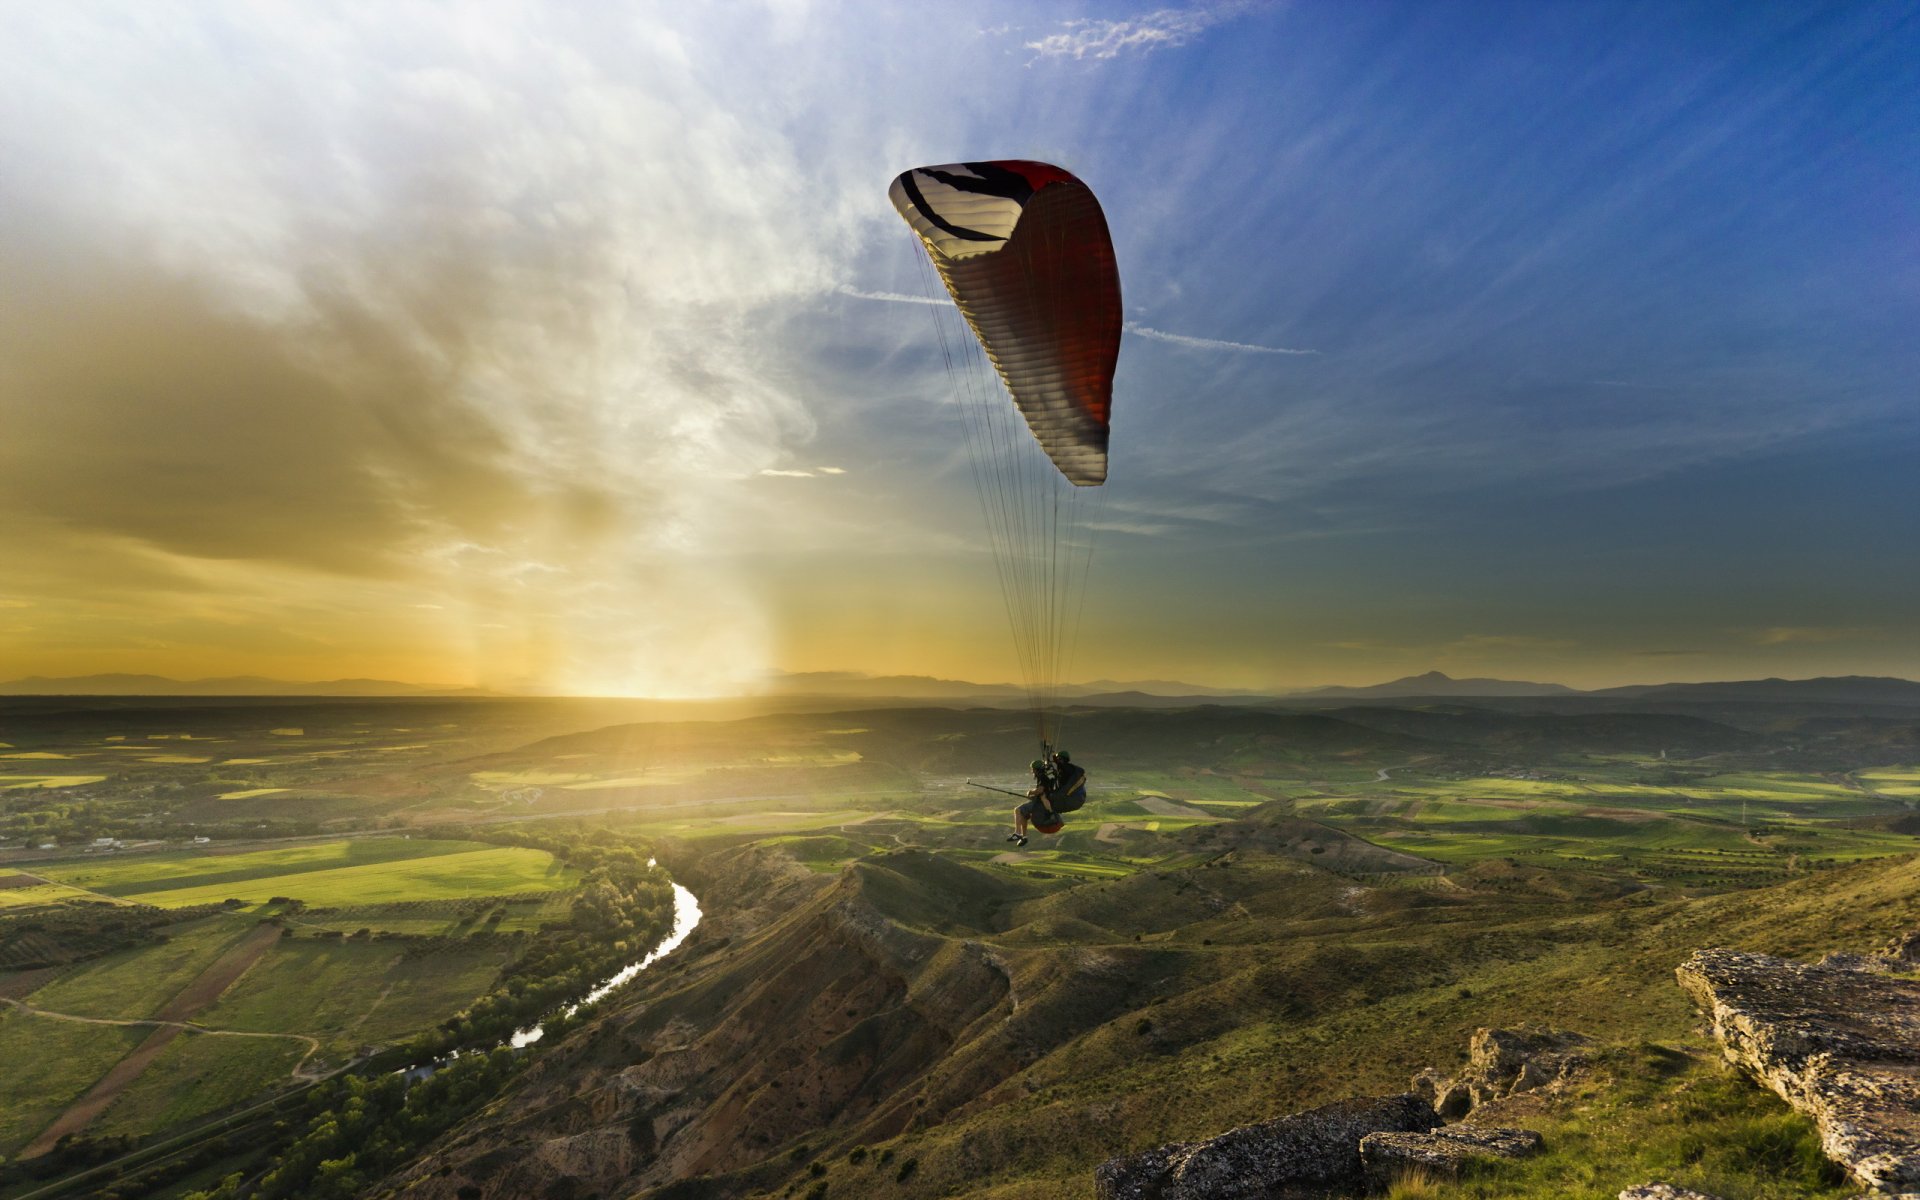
[852, 683]
[818, 685]
[1433, 683]
[236, 685]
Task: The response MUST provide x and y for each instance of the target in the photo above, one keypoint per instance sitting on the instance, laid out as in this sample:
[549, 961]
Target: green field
[1893, 781]
[36, 894]
[349, 993]
[135, 984]
[1732, 828]
[49, 1064]
[525, 911]
[355, 871]
[48, 781]
[198, 1074]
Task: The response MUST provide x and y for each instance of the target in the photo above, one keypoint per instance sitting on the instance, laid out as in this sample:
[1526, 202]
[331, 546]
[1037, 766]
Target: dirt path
[168, 1022]
[1109, 832]
[377, 1002]
[312, 1044]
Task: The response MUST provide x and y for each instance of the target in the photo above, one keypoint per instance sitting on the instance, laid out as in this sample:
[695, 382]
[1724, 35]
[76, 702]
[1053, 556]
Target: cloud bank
[409, 302]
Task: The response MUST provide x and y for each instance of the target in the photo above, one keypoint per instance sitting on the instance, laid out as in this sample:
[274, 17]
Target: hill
[1435, 684]
[916, 1027]
[1851, 690]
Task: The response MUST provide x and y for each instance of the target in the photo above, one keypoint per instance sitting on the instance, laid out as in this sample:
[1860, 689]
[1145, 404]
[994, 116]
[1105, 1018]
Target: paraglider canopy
[1024, 251]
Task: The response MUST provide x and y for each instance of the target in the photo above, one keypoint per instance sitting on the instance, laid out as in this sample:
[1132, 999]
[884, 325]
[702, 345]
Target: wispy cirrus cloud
[1785, 635]
[1161, 29]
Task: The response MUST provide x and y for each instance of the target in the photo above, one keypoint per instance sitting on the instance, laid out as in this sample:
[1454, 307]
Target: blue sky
[1566, 341]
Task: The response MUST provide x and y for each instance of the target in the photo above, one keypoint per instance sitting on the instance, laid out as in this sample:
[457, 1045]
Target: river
[686, 915]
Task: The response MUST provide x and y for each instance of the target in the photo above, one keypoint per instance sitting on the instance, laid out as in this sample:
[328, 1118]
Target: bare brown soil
[19, 881]
[21, 983]
[197, 995]
[1162, 807]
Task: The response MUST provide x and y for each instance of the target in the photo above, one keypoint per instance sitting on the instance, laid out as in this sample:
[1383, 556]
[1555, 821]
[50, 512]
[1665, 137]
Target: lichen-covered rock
[1443, 1152]
[1904, 949]
[1841, 1045]
[1317, 1147]
[1663, 1191]
[1501, 1063]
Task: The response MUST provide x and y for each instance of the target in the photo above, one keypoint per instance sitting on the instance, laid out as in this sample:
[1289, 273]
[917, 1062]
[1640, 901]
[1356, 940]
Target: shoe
[1020, 840]
[1014, 837]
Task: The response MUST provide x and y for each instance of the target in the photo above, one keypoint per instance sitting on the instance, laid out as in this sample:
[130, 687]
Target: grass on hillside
[1319, 991]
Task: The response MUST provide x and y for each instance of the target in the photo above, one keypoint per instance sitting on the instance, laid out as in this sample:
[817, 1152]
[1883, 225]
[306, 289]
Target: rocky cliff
[1839, 1041]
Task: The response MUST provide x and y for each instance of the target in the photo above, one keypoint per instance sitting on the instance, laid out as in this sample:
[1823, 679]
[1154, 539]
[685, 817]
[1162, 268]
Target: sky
[577, 347]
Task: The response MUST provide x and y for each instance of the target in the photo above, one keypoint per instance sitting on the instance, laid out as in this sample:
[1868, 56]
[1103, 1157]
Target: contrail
[890, 297]
[1200, 343]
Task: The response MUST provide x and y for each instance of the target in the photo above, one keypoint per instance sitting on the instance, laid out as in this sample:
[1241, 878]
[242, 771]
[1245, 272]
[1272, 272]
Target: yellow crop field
[48, 781]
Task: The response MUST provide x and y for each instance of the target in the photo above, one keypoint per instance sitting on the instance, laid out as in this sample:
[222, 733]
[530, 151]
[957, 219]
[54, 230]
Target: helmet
[1038, 765]
[1061, 755]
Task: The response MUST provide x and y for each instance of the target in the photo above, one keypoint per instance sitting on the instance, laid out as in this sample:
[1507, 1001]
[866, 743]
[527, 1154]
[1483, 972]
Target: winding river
[686, 915]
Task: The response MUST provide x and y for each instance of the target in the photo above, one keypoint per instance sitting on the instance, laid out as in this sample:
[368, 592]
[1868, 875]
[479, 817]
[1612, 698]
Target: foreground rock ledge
[1274, 1158]
[1444, 1152]
[1839, 1043]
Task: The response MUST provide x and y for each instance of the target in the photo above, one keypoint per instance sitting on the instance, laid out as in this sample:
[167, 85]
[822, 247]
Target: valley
[1259, 910]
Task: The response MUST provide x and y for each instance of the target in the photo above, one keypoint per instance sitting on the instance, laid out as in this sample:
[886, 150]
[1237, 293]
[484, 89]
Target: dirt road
[169, 1022]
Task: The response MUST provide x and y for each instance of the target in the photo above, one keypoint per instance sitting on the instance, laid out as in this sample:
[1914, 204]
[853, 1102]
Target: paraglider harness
[1062, 790]
[1069, 790]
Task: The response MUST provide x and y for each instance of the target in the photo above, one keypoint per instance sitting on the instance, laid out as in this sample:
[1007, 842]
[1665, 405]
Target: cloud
[786, 474]
[1783, 635]
[1510, 641]
[479, 307]
[1200, 343]
[1161, 29]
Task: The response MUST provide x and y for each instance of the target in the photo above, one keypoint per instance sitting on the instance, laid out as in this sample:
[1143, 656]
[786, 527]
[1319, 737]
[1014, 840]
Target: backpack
[1072, 792]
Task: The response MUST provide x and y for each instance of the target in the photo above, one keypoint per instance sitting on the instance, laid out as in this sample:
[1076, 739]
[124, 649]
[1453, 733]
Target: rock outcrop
[1663, 1191]
[1441, 1152]
[1500, 1063]
[1840, 1044]
[1294, 1155]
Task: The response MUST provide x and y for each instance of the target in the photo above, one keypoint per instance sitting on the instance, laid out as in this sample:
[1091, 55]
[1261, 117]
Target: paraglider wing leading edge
[1024, 251]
